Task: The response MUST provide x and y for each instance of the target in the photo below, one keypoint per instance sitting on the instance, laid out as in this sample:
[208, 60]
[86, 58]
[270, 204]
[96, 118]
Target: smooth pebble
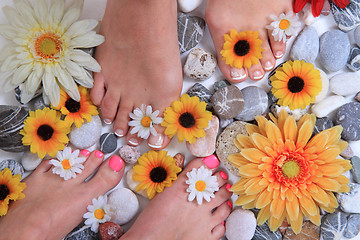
[322, 124]
[240, 225]
[355, 170]
[188, 5]
[30, 161]
[353, 62]
[108, 142]
[350, 202]
[353, 226]
[347, 18]
[255, 103]
[123, 205]
[228, 102]
[345, 84]
[327, 105]
[202, 93]
[87, 135]
[324, 87]
[296, 113]
[306, 45]
[333, 225]
[129, 154]
[15, 167]
[348, 117]
[190, 31]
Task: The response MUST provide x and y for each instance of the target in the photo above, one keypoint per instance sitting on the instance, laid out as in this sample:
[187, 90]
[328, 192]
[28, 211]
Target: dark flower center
[187, 120]
[158, 174]
[45, 132]
[4, 191]
[72, 105]
[242, 47]
[296, 84]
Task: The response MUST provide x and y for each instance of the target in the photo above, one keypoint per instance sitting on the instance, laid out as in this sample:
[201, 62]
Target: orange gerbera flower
[242, 49]
[286, 173]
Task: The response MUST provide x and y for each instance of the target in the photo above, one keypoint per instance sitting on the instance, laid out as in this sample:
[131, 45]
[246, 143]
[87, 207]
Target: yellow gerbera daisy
[187, 117]
[10, 189]
[242, 49]
[296, 84]
[154, 171]
[75, 111]
[286, 173]
[45, 132]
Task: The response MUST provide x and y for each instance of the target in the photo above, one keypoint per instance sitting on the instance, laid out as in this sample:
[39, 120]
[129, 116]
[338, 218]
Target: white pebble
[30, 161]
[123, 204]
[345, 84]
[200, 64]
[327, 105]
[324, 87]
[240, 225]
[308, 17]
[87, 135]
[188, 5]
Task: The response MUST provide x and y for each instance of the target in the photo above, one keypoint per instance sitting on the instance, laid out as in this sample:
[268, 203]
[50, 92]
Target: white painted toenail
[119, 133]
[237, 74]
[134, 141]
[156, 141]
[107, 121]
[258, 75]
[268, 66]
[279, 54]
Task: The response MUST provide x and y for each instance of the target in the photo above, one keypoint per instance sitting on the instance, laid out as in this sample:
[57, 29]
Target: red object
[317, 5]
[110, 231]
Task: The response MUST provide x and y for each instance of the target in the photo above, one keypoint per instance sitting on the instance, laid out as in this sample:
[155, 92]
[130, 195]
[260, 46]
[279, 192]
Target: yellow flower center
[290, 169]
[99, 214]
[146, 121]
[200, 185]
[66, 164]
[47, 46]
[284, 24]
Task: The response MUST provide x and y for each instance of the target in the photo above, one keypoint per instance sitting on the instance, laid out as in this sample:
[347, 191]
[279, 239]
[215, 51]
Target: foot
[244, 15]
[52, 207]
[171, 216]
[140, 62]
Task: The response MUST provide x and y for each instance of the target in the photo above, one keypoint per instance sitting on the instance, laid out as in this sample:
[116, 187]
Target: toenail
[134, 141]
[107, 121]
[99, 154]
[116, 163]
[223, 223]
[279, 54]
[268, 66]
[230, 204]
[85, 152]
[258, 75]
[228, 186]
[211, 161]
[237, 74]
[223, 175]
[119, 133]
[156, 141]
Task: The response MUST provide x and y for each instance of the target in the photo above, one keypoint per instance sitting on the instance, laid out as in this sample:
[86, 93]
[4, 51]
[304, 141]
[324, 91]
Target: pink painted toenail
[85, 152]
[223, 223]
[134, 141]
[211, 161]
[119, 133]
[107, 121]
[258, 75]
[228, 186]
[268, 66]
[230, 204]
[116, 163]
[279, 54]
[99, 154]
[223, 175]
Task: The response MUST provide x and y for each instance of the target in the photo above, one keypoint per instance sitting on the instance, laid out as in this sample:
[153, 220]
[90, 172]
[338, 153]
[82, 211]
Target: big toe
[160, 140]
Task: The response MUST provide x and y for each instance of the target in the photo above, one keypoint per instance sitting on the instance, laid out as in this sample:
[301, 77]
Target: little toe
[278, 47]
[221, 213]
[97, 92]
[160, 140]
[256, 72]
[92, 162]
[122, 118]
[219, 231]
[109, 106]
[132, 138]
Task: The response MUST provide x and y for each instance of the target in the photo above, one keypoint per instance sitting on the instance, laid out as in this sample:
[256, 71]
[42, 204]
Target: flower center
[47, 46]
[284, 24]
[200, 185]
[4, 191]
[296, 84]
[158, 174]
[242, 47]
[187, 120]
[290, 169]
[66, 164]
[72, 105]
[45, 132]
[146, 121]
[99, 214]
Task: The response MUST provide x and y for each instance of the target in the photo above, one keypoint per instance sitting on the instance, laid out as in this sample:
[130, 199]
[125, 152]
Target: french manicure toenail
[237, 74]
[230, 204]
[211, 161]
[268, 66]
[258, 75]
[119, 133]
[279, 54]
[116, 163]
[85, 152]
[99, 154]
[223, 175]
[228, 186]
[107, 121]
[134, 141]
[156, 141]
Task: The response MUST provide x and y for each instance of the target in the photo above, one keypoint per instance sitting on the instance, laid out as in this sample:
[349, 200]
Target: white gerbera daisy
[97, 213]
[67, 163]
[284, 26]
[144, 120]
[201, 185]
[45, 47]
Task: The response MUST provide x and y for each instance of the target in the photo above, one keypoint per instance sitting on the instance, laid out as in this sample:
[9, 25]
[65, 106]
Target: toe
[221, 213]
[109, 105]
[98, 90]
[210, 162]
[133, 139]
[221, 196]
[44, 166]
[218, 231]
[268, 60]
[92, 162]
[122, 118]
[256, 72]
[278, 47]
[160, 140]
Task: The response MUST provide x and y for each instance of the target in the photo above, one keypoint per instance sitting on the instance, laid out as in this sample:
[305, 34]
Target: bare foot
[140, 62]
[52, 207]
[171, 216]
[241, 15]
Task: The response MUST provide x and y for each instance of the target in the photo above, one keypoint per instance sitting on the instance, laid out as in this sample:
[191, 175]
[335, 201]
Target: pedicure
[228, 186]
[99, 154]
[279, 54]
[107, 121]
[156, 141]
[133, 141]
[237, 74]
[116, 163]
[119, 133]
[258, 75]
[268, 66]
[223, 175]
[223, 223]
[85, 152]
[211, 161]
[230, 204]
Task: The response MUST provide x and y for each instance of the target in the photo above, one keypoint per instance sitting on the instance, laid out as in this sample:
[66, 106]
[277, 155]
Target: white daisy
[284, 26]
[68, 163]
[201, 185]
[144, 120]
[45, 47]
[97, 213]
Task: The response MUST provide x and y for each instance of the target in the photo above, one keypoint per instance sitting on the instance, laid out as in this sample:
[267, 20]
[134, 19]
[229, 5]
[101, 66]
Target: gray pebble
[190, 31]
[38, 103]
[347, 153]
[30, 161]
[322, 124]
[353, 226]
[129, 154]
[353, 62]
[224, 122]
[334, 50]
[202, 93]
[13, 165]
[221, 84]
[82, 232]
[332, 225]
[357, 36]
[228, 102]
[306, 45]
[255, 103]
[348, 117]
[108, 142]
[263, 232]
[87, 135]
[355, 161]
[347, 18]
[23, 97]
